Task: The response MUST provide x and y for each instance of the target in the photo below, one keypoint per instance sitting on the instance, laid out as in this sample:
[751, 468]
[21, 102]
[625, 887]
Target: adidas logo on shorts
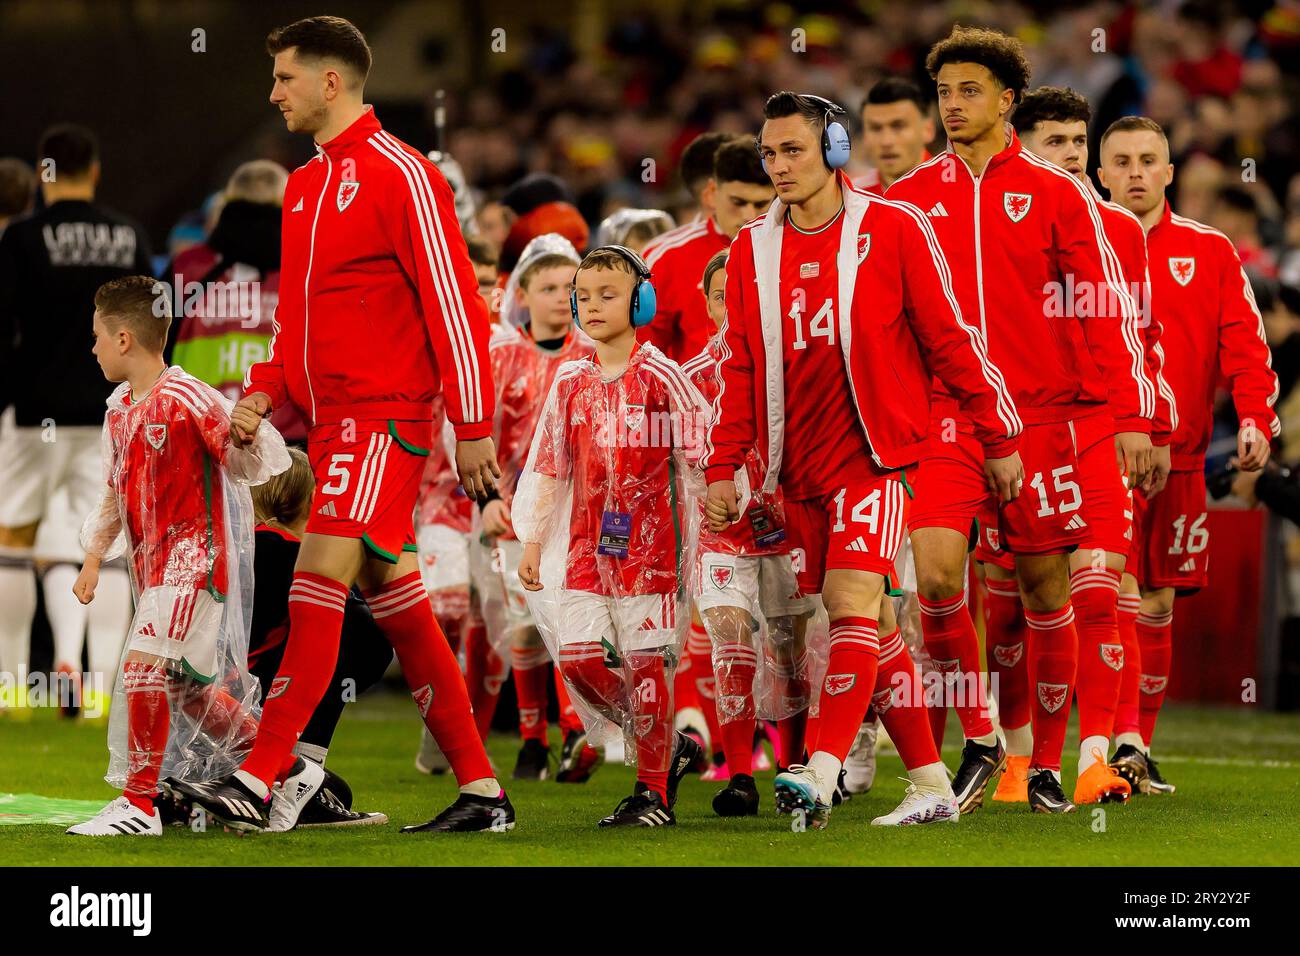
[1188, 566]
[1076, 523]
[327, 509]
[858, 544]
[147, 631]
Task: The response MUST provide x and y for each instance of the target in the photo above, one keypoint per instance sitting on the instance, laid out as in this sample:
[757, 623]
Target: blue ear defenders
[644, 303]
[836, 142]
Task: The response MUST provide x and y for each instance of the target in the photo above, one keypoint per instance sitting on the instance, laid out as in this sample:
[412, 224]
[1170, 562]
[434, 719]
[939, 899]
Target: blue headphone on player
[836, 141]
[644, 301]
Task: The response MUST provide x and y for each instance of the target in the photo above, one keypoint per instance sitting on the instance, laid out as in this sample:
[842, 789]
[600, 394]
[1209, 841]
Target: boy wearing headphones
[605, 513]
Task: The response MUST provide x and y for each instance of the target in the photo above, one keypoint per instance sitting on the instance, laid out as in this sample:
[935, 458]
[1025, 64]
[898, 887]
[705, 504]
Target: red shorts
[368, 482]
[1107, 500]
[859, 526]
[951, 492]
[1107, 503]
[1172, 541]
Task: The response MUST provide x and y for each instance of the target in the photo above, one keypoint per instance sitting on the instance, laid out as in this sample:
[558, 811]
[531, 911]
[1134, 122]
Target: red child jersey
[1212, 331]
[622, 445]
[814, 366]
[682, 326]
[165, 456]
[1023, 238]
[442, 500]
[705, 373]
[522, 373]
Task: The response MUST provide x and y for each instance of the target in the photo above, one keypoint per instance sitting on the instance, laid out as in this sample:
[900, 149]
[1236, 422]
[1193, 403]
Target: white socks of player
[827, 767]
[1131, 739]
[253, 783]
[313, 752]
[1086, 748]
[18, 599]
[1020, 741]
[932, 778]
[485, 787]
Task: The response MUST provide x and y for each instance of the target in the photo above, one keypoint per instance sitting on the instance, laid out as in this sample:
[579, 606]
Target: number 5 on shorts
[340, 473]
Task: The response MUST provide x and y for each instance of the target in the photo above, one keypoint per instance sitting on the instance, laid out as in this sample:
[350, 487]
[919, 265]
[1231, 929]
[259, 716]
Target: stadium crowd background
[606, 94]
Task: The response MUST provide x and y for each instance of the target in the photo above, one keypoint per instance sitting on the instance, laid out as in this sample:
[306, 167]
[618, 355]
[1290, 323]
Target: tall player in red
[1053, 123]
[826, 367]
[1015, 227]
[1212, 330]
[379, 311]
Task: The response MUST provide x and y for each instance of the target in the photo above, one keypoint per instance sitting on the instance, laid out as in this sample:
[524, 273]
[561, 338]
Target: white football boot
[120, 818]
[288, 799]
[921, 806]
[860, 764]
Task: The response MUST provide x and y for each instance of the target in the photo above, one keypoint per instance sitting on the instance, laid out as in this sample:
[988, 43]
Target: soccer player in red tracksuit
[379, 311]
[1015, 227]
[829, 372]
[1212, 331]
[1053, 123]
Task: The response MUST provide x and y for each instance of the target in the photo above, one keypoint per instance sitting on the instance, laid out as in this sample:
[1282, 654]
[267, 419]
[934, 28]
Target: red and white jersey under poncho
[611, 450]
[176, 485]
[705, 372]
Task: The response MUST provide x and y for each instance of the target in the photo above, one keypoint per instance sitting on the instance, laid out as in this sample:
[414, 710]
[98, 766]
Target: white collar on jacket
[766, 236]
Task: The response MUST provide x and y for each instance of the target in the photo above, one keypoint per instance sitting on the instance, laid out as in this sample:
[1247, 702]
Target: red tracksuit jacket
[1126, 235]
[682, 327]
[899, 327]
[379, 308]
[1212, 331]
[1022, 238]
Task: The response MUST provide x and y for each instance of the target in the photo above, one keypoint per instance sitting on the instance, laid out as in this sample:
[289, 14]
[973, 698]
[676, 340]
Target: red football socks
[954, 649]
[700, 650]
[311, 651]
[734, 681]
[532, 679]
[1156, 646]
[570, 722]
[401, 609]
[148, 720]
[1007, 641]
[1094, 593]
[649, 709]
[485, 673]
[849, 682]
[899, 702]
[1126, 714]
[1054, 645]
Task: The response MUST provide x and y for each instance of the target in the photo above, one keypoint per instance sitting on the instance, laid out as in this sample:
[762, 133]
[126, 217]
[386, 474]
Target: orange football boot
[1100, 783]
[1014, 785]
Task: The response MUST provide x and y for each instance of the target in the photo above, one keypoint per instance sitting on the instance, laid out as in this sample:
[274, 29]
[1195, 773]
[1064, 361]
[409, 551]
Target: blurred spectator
[51, 264]
[227, 288]
[1236, 215]
[17, 189]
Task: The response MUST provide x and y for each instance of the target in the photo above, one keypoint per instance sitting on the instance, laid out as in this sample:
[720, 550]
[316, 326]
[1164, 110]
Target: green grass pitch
[1238, 803]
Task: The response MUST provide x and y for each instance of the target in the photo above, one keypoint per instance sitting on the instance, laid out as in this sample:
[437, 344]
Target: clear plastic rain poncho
[178, 504]
[747, 593]
[614, 228]
[610, 494]
[522, 373]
